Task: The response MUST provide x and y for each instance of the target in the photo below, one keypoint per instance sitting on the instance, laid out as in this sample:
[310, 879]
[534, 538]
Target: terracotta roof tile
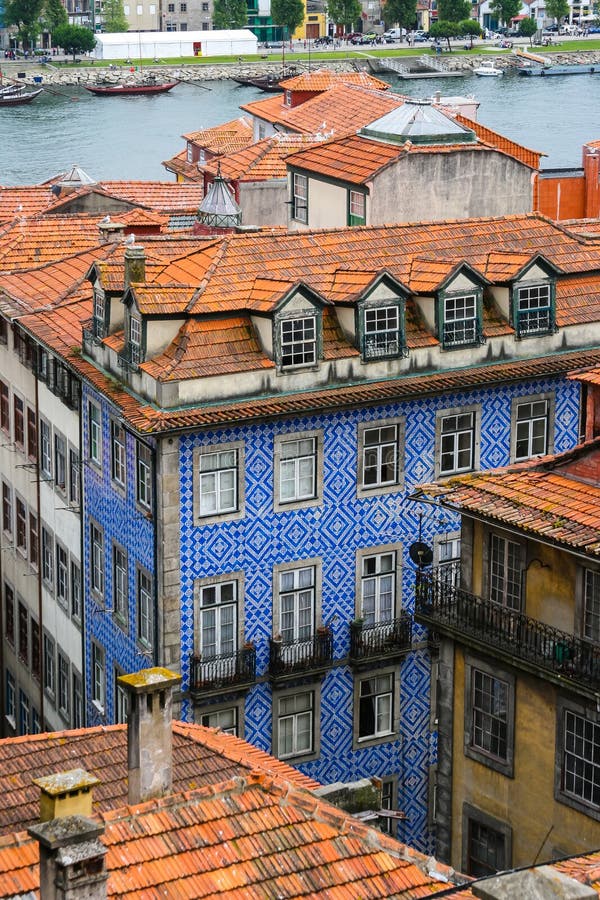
[226, 138]
[324, 79]
[263, 160]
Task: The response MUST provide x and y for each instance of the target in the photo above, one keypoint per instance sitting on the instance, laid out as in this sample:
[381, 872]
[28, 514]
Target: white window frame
[98, 686]
[522, 429]
[460, 326]
[373, 573]
[118, 453]
[143, 470]
[385, 703]
[60, 462]
[226, 718]
[224, 611]
[300, 197]
[377, 442]
[529, 307]
[49, 664]
[289, 469]
[63, 684]
[209, 482]
[62, 575]
[45, 449]
[296, 716]
[94, 433]
[120, 583]
[97, 575]
[145, 608]
[47, 557]
[298, 341]
[383, 334]
[444, 447]
[505, 576]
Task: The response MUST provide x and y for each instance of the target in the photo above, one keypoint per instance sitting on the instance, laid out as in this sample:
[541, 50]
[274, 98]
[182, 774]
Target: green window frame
[534, 309]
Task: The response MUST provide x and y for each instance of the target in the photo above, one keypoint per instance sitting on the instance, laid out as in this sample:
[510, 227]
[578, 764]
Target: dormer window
[460, 320]
[190, 153]
[288, 98]
[99, 314]
[383, 331]
[300, 197]
[298, 341]
[534, 310]
[135, 340]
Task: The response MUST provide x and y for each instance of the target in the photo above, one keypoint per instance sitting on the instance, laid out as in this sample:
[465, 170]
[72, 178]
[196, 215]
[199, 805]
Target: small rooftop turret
[218, 210]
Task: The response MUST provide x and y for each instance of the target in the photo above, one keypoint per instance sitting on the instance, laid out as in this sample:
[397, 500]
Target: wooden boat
[16, 95]
[270, 83]
[128, 90]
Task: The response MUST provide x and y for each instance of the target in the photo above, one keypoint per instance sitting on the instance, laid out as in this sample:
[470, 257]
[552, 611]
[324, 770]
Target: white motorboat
[488, 70]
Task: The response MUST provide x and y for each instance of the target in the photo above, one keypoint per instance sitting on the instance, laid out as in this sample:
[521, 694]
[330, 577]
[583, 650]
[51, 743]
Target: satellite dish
[421, 554]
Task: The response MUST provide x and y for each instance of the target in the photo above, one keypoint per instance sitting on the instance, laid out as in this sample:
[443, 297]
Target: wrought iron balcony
[511, 635]
[382, 640]
[288, 659]
[228, 671]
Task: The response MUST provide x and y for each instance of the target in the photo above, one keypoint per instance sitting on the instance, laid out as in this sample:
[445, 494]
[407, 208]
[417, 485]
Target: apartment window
[506, 571]
[121, 705]
[9, 614]
[205, 7]
[379, 447]
[224, 719]
[298, 475]
[297, 603]
[295, 724]
[76, 699]
[460, 321]
[376, 706]
[45, 449]
[49, 664]
[35, 650]
[298, 341]
[206, 26]
[448, 560]
[11, 700]
[63, 685]
[32, 438]
[183, 7]
[75, 591]
[34, 556]
[119, 567]
[23, 713]
[534, 308]
[219, 480]
[21, 521]
[99, 323]
[378, 588]
[143, 455]
[489, 718]
[300, 197]
[579, 752]
[218, 619]
[171, 7]
[73, 477]
[456, 443]
[60, 461]
[97, 558]
[62, 575]
[382, 331]
[356, 208]
[530, 428]
[118, 458]
[47, 557]
[95, 434]
[35, 721]
[98, 677]
[3, 332]
[4, 408]
[135, 339]
[19, 422]
[486, 843]
[23, 644]
[388, 801]
[7, 510]
[144, 607]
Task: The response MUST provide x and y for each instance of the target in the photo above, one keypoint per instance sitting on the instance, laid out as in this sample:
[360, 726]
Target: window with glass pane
[97, 559]
[47, 557]
[7, 510]
[300, 198]
[297, 604]
[120, 605]
[382, 332]
[35, 650]
[460, 320]
[62, 575]
[60, 461]
[489, 710]
[224, 719]
[144, 603]
[19, 422]
[95, 433]
[77, 699]
[63, 684]
[23, 645]
[21, 517]
[486, 850]
[534, 309]
[73, 477]
[378, 584]
[33, 541]
[218, 478]
[143, 474]
[581, 758]
[4, 408]
[298, 342]
[98, 680]
[218, 619]
[591, 605]
[357, 204]
[49, 664]
[11, 700]
[75, 591]
[531, 429]
[449, 561]
[135, 338]
[32, 450]
[375, 706]
[295, 724]
[23, 713]
[45, 449]
[457, 443]
[380, 456]
[297, 470]
[9, 614]
[505, 572]
[118, 460]
[99, 312]
[120, 701]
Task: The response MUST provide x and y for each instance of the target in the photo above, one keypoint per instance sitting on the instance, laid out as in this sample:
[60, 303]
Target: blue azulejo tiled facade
[341, 714]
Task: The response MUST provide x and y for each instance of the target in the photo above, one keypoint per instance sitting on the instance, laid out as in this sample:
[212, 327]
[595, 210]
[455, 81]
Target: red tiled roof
[324, 79]
[226, 138]
[261, 161]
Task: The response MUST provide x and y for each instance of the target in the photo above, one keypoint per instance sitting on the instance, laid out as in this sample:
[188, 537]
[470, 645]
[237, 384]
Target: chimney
[110, 232]
[72, 858]
[149, 732]
[135, 264]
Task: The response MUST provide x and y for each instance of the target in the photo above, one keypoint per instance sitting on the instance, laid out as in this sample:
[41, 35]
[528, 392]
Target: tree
[230, 14]
[54, 15]
[453, 10]
[288, 13]
[505, 10]
[114, 17]
[472, 28]
[25, 14]
[528, 28]
[344, 12]
[74, 39]
[445, 30]
[400, 12]
[557, 9]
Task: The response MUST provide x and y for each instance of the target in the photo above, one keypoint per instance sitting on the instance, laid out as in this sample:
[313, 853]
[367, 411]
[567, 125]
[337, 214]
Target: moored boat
[559, 69]
[270, 83]
[127, 90]
[17, 95]
[487, 70]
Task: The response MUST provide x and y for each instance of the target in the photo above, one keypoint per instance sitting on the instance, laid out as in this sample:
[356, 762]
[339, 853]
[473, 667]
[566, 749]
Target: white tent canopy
[175, 44]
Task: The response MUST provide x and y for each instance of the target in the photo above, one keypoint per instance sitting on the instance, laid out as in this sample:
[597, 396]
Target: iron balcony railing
[227, 670]
[448, 609]
[383, 639]
[288, 658]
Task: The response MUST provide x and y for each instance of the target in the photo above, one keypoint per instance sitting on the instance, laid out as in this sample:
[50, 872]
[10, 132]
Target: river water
[128, 137]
